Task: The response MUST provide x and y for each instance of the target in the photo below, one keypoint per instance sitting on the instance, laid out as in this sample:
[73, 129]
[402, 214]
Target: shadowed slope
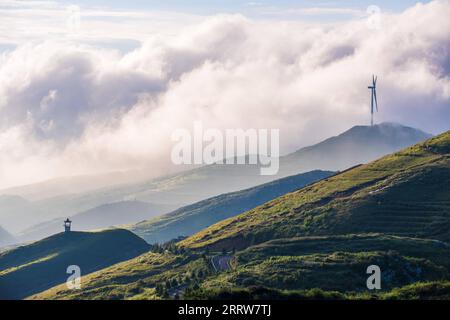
[43, 264]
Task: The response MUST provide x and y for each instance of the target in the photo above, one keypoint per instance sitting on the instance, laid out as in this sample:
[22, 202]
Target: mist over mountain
[5, 238]
[358, 145]
[192, 218]
[75, 185]
[17, 212]
[71, 108]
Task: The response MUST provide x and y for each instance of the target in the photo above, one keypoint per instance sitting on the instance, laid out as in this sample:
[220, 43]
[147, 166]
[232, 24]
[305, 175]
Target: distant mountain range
[75, 184]
[43, 264]
[6, 238]
[193, 218]
[314, 243]
[357, 145]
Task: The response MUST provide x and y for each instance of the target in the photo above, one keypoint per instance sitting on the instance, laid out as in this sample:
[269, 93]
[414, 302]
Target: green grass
[315, 243]
[438, 290]
[336, 263]
[435, 290]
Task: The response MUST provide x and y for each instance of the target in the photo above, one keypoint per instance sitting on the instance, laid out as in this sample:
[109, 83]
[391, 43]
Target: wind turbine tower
[373, 89]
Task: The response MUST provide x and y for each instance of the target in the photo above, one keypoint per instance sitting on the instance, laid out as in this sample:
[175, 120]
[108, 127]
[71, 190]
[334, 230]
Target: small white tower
[67, 225]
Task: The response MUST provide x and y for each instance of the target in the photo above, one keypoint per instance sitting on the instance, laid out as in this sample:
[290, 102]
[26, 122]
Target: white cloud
[68, 108]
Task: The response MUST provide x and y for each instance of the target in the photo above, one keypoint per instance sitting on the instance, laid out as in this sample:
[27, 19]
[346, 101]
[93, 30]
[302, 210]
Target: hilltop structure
[67, 225]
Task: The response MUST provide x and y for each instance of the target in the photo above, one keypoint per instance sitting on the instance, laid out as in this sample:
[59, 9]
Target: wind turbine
[373, 88]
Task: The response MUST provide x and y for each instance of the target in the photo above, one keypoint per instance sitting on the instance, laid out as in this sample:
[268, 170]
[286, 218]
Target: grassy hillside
[193, 218]
[431, 290]
[335, 263]
[136, 278]
[405, 193]
[313, 243]
[43, 264]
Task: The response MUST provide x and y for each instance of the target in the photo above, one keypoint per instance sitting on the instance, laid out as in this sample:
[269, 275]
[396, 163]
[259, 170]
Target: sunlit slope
[328, 262]
[193, 218]
[336, 263]
[405, 193]
[43, 264]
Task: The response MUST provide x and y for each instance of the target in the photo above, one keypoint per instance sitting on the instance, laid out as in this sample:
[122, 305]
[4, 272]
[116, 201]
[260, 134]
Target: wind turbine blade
[375, 96]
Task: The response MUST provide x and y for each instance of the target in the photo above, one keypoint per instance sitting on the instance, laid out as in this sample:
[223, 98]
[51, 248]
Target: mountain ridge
[192, 218]
[187, 187]
[364, 183]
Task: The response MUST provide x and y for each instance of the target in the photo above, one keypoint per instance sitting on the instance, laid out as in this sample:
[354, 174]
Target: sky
[28, 20]
[98, 86]
[210, 7]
